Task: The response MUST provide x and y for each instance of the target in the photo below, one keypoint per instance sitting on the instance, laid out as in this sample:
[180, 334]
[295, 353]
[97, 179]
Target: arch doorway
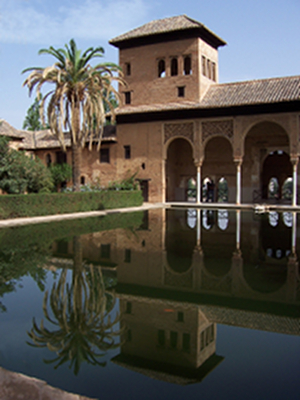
[266, 163]
[180, 169]
[277, 169]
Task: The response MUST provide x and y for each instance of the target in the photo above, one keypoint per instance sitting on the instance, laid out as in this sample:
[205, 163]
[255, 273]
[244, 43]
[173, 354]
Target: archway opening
[219, 166]
[277, 168]
[266, 156]
[180, 170]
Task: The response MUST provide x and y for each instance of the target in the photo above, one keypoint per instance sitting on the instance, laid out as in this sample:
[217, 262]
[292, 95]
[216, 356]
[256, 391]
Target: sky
[262, 36]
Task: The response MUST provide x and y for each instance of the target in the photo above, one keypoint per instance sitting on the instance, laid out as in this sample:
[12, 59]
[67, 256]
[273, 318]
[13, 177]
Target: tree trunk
[76, 148]
[76, 166]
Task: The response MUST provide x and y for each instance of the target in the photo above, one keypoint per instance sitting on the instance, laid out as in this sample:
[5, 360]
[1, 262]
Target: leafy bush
[20, 173]
[60, 173]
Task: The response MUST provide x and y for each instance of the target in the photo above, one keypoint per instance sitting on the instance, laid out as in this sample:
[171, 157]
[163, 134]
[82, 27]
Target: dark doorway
[144, 184]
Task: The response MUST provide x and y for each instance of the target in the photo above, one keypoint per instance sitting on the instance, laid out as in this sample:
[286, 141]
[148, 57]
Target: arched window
[187, 65]
[48, 160]
[273, 218]
[161, 68]
[222, 190]
[223, 219]
[273, 189]
[192, 218]
[174, 67]
[287, 189]
[191, 190]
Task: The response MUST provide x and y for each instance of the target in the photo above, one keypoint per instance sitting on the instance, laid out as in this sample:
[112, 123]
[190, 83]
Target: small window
[209, 69]
[187, 65]
[174, 67]
[127, 97]
[161, 68]
[181, 91]
[214, 71]
[173, 339]
[61, 157]
[186, 342]
[180, 316]
[105, 251]
[128, 307]
[48, 160]
[127, 69]
[203, 58]
[127, 152]
[127, 257]
[82, 180]
[104, 155]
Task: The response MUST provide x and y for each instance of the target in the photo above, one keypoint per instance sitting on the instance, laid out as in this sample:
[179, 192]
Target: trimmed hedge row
[31, 205]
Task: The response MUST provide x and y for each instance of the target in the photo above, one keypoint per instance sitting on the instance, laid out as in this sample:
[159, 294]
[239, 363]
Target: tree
[79, 98]
[32, 120]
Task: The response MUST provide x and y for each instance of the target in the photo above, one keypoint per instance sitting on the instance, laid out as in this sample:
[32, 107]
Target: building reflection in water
[185, 271]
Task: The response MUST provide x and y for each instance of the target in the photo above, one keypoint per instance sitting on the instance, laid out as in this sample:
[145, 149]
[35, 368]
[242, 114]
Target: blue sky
[262, 36]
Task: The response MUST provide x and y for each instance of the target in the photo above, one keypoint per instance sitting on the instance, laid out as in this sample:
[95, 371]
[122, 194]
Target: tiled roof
[264, 91]
[45, 139]
[7, 130]
[166, 25]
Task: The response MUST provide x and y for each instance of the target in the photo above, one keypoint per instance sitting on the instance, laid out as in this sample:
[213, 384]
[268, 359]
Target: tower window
[127, 152]
[127, 97]
[213, 71]
[128, 69]
[181, 91]
[104, 155]
[161, 68]
[209, 69]
[174, 67]
[187, 65]
[203, 60]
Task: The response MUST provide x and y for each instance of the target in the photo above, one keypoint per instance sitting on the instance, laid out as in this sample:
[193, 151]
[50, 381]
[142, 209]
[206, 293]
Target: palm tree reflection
[81, 312]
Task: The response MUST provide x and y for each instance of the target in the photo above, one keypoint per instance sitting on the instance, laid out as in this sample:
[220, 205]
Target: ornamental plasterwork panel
[172, 130]
[213, 128]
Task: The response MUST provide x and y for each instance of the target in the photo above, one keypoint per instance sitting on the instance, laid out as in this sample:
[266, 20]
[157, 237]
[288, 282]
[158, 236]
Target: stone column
[199, 187]
[238, 162]
[294, 161]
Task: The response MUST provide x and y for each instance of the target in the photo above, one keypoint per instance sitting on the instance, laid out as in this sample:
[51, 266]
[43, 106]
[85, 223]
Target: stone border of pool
[259, 208]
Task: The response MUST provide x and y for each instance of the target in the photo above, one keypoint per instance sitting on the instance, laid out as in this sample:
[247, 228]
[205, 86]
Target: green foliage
[61, 173]
[32, 120]
[129, 183]
[20, 173]
[60, 203]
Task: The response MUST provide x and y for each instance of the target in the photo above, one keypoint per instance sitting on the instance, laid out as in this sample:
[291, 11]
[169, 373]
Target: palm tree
[80, 312]
[81, 99]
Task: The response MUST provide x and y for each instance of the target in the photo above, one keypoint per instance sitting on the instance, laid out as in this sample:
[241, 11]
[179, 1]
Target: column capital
[294, 159]
[238, 160]
[198, 163]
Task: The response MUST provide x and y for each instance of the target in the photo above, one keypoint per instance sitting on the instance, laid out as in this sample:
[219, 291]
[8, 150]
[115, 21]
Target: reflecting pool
[165, 304]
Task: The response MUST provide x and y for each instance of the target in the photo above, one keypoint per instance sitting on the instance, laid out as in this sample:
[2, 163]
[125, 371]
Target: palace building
[179, 128]
[184, 135]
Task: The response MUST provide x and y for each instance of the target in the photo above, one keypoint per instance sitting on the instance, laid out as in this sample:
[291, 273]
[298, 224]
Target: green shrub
[59, 203]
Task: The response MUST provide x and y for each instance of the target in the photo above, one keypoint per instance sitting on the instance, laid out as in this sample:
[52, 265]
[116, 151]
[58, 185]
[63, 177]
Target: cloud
[33, 22]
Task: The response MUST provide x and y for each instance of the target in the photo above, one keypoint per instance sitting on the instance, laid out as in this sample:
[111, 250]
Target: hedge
[31, 205]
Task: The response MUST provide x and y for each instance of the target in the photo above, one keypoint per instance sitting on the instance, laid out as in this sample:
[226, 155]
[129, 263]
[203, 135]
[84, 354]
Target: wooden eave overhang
[209, 112]
[201, 32]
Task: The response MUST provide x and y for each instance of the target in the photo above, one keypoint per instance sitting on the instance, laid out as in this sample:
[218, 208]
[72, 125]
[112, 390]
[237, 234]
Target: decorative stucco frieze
[176, 130]
[213, 128]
